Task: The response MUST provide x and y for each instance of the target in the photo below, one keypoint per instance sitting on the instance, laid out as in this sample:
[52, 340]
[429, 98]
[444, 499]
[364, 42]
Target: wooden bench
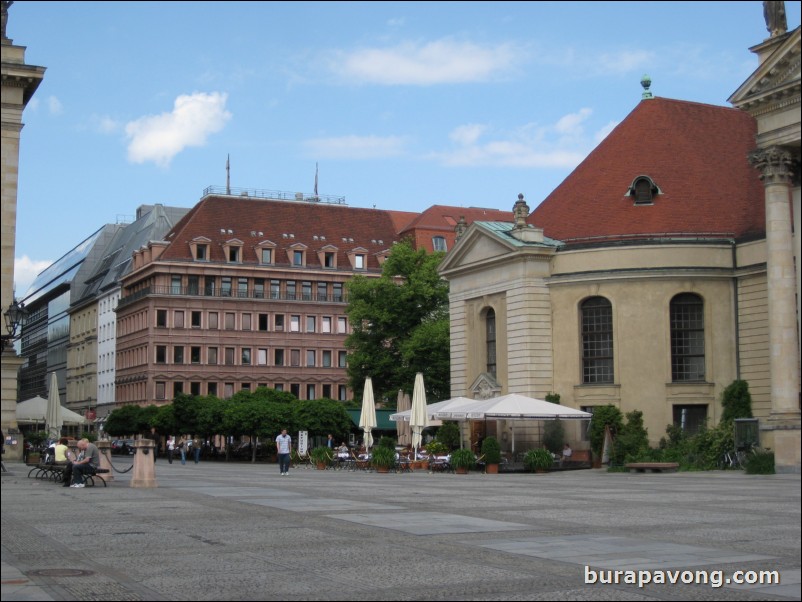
[652, 466]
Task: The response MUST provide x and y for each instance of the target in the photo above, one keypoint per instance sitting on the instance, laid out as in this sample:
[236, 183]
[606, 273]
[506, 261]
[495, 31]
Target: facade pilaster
[776, 172]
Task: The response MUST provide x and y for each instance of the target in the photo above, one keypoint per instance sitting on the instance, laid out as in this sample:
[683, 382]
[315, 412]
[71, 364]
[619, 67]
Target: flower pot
[321, 466]
[461, 470]
[491, 469]
[383, 469]
[33, 458]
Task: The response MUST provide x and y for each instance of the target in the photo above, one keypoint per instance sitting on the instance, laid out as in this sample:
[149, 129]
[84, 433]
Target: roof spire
[646, 82]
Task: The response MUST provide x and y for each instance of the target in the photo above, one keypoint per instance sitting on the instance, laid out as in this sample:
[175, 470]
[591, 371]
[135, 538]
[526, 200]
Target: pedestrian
[196, 449]
[170, 448]
[182, 448]
[330, 442]
[283, 447]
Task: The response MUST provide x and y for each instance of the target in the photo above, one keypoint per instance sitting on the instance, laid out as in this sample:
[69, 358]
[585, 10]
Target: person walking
[196, 449]
[182, 447]
[283, 447]
[170, 448]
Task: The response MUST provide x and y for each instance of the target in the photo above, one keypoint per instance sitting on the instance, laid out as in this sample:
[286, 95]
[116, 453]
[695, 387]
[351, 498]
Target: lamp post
[14, 317]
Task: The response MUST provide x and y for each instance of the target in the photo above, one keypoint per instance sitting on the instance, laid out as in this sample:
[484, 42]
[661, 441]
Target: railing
[229, 294]
[273, 194]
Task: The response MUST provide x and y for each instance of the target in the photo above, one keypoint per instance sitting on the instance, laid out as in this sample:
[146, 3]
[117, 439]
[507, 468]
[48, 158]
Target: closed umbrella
[367, 419]
[401, 426]
[53, 417]
[419, 417]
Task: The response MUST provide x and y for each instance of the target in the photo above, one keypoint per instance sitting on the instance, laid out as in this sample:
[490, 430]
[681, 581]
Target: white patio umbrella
[367, 419]
[53, 417]
[402, 427]
[419, 417]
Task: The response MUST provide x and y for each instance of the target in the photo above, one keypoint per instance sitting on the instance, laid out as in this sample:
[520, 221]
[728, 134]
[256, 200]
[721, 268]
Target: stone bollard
[144, 466]
[104, 446]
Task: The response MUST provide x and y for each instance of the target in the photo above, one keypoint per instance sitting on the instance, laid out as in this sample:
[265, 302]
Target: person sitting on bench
[87, 463]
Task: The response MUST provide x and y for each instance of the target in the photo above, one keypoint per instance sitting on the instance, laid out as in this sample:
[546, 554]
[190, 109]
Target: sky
[394, 105]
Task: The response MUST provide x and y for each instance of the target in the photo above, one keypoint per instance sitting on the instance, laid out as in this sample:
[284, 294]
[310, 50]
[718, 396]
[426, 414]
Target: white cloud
[54, 105]
[467, 134]
[25, 272]
[443, 61]
[159, 138]
[563, 144]
[356, 147]
[624, 61]
[105, 124]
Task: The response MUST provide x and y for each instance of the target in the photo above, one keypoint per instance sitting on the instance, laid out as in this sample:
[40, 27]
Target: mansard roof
[285, 223]
[696, 155]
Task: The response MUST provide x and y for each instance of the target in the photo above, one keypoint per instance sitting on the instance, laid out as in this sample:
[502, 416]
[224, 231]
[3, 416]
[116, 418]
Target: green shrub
[554, 436]
[736, 401]
[320, 455]
[382, 457]
[387, 442]
[632, 440]
[463, 458]
[608, 415]
[435, 448]
[449, 434]
[760, 462]
[491, 450]
[538, 459]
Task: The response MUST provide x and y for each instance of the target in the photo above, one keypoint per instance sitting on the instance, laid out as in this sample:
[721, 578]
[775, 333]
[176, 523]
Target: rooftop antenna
[315, 178]
[228, 175]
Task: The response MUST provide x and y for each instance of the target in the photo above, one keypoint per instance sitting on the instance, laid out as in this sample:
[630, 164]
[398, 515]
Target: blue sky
[401, 105]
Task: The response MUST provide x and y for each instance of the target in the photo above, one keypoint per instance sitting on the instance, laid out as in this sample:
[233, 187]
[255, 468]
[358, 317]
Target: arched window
[687, 338]
[490, 340]
[597, 341]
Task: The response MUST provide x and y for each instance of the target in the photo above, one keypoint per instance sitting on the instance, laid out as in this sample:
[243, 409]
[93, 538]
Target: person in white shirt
[283, 447]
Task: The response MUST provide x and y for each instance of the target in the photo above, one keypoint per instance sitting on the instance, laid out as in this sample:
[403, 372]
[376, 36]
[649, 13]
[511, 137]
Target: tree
[603, 416]
[127, 420]
[399, 325]
[321, 417]
[736, 401]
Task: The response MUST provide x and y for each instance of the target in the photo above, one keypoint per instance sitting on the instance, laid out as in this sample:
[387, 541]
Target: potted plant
[36, 439]
[383, 459]
[462, 460]
[538, 460]
[491, 450]
[320, 456]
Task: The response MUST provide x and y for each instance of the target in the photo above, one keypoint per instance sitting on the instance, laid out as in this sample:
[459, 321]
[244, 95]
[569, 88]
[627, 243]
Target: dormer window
[328, 257]
[296, 255]
[643, 190]
[233, 250]
[265, 251]
[199, 247]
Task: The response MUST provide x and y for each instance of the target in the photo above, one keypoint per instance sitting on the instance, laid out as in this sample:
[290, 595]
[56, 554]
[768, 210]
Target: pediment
[485, 386]
[477, 245]
[776, 76]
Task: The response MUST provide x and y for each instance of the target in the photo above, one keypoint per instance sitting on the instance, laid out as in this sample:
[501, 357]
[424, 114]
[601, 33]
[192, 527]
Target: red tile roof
[440, 220]
[695, 153]
[285, 223]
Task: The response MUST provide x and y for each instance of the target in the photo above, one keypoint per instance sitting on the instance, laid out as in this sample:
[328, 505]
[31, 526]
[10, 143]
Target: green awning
[383, 422]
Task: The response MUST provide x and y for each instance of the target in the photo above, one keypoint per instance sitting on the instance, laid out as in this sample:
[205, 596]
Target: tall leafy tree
[399, 325]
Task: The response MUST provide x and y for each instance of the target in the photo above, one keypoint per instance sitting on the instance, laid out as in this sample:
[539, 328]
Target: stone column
[775, 164]
[104, 446]
[144, 467]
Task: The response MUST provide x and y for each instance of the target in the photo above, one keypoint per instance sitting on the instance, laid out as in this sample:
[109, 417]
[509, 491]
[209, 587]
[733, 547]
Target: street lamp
[14, 316]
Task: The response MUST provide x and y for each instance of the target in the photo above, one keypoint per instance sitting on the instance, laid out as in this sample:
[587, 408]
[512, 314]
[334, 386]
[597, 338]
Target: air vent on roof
[284, 235]
[350, 239]
[222, 230]
[230, 231]
[314, 237]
